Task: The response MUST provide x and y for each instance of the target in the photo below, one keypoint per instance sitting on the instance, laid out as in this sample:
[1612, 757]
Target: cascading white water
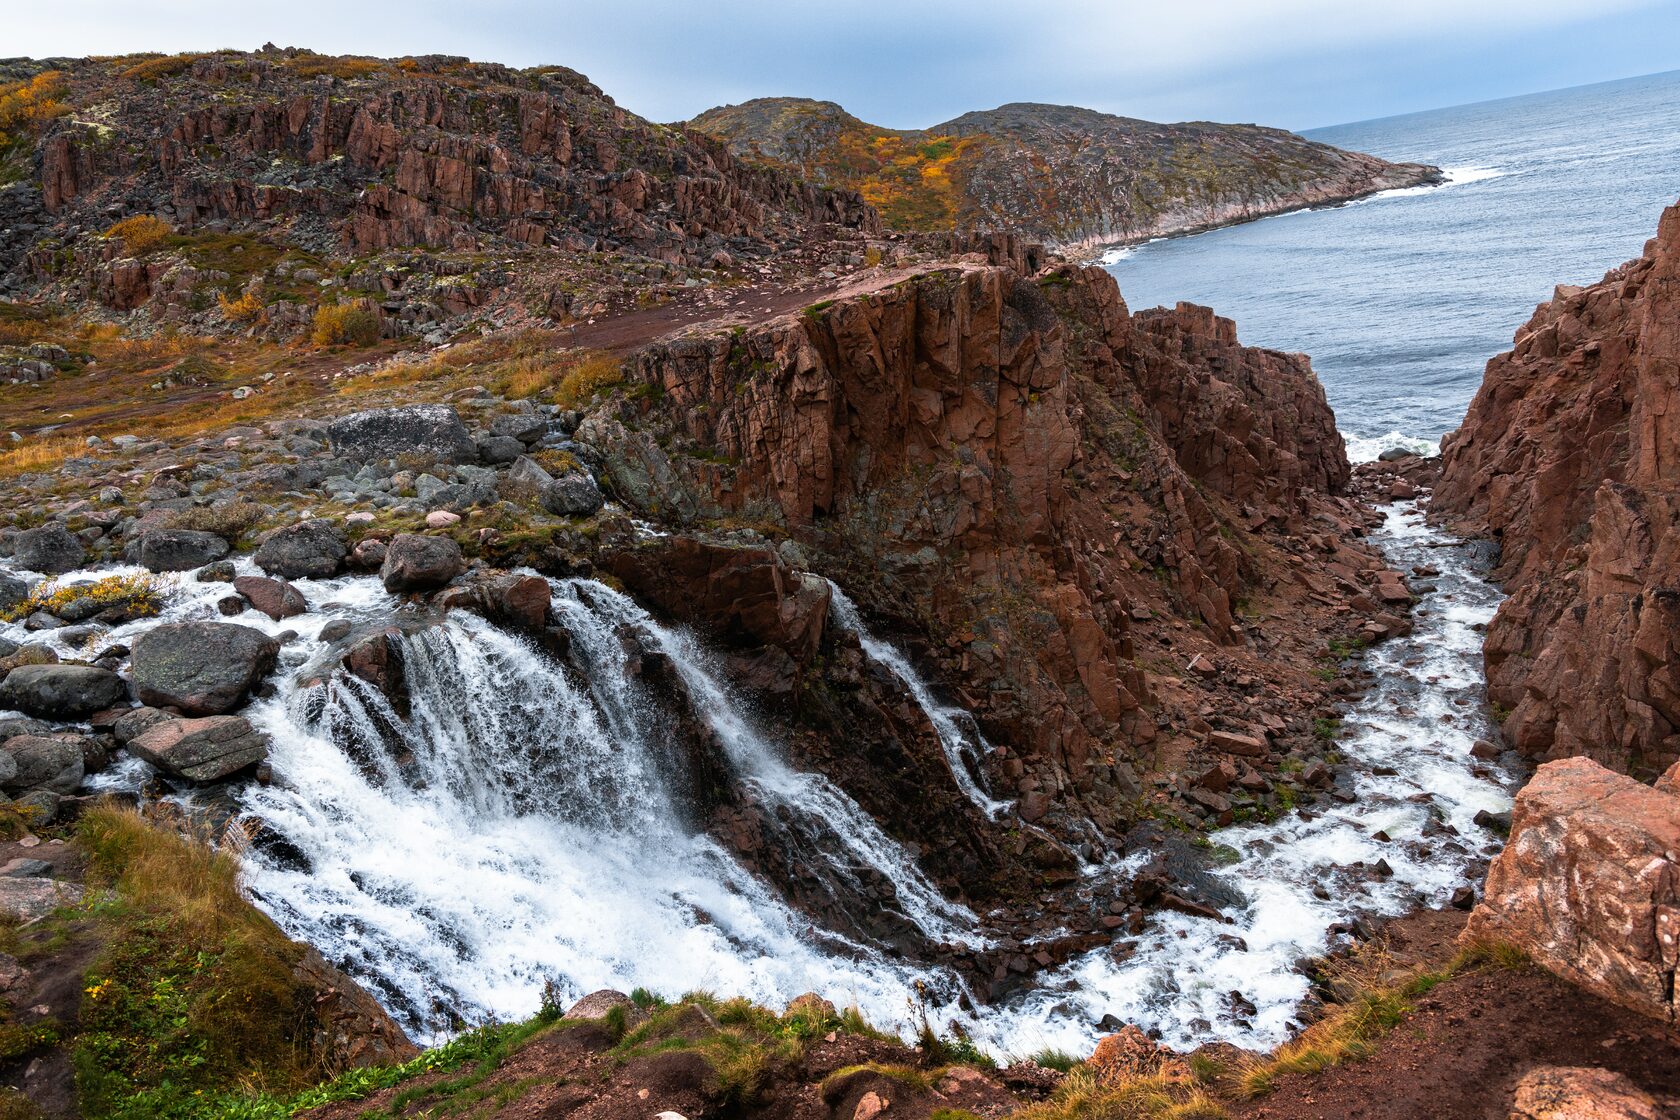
[520, 827]
[529, 821]
[964, 746]
[1416, 727]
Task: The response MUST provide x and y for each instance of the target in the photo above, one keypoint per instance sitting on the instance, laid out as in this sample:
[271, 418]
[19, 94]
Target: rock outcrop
[1570, 458]
[1021, 469]
[1073, 178]
[1589, 885]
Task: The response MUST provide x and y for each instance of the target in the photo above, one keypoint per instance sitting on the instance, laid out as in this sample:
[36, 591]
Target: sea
[1400, 299]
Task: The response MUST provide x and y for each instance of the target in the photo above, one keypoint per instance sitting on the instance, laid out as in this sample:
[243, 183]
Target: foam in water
[1366, 449]
[964, 746]
[523, 828]
[528, 823]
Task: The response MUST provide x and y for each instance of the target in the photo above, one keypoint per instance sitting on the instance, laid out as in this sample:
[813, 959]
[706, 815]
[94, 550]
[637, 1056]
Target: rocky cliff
[1074, 178]
[1122, 533]
[1570, 457]
[321, 161]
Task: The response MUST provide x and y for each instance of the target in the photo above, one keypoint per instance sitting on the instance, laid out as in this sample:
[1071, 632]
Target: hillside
[1075, 178]
[427, 188]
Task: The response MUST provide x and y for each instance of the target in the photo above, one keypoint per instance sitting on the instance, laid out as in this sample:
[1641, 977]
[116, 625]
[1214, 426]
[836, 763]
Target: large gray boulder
[52, 549]
[201, 750]
[175, 550]
[44, 763]
[431, 431]
[414, 562]
[313, 549]
[202, 668]
[573, 494]
[61, 692]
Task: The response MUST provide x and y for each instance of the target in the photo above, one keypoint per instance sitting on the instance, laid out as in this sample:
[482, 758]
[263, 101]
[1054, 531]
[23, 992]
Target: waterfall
[964, 746]
[527, 823]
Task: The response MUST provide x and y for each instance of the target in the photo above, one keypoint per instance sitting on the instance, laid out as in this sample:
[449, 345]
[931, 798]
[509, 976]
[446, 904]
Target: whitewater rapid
[529, 821]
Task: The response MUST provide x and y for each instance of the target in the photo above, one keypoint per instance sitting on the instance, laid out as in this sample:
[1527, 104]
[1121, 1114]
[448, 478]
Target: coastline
[1091, 250]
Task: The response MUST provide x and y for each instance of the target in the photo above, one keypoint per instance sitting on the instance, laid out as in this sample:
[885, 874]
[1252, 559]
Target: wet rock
[53, 764]
[222, 571]
[175, 550]
[416, 562]
[201, 750]
[1589, 884]
[51, 549]
[276, 598]
[61, 692]
[1463, 898]
[336, 629]
[202, 668]
[312, 549]
[505, 597]
[430, 431]
[136, 721]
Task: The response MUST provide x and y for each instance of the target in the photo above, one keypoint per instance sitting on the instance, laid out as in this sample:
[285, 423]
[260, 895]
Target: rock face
[1070, 177]
[1580, 1093]
[63, 692]
[202, 668]
[201, 750]
[50, 549]
[430, 431]
[414, 562]
[1570, 457]
[312, 549]
[1017, 467]
[1589, 885]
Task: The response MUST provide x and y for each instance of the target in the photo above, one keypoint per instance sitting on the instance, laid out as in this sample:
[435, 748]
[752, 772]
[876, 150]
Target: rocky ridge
[1568, 459]
[1073, 178]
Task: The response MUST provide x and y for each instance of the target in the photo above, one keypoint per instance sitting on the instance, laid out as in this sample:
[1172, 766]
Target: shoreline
[1091, 250]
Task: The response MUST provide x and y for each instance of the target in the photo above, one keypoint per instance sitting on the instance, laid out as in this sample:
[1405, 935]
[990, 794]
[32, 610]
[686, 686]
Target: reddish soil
[1461, 1053]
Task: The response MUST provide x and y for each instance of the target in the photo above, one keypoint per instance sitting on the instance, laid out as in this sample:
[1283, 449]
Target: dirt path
[1461, 1053]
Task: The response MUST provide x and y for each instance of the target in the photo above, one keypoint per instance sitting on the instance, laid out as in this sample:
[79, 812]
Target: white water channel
[530, 822]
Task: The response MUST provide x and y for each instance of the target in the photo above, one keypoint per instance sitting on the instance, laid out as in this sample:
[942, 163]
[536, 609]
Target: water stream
[531, 819]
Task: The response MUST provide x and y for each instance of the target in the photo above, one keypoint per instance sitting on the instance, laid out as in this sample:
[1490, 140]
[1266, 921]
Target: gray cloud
[1291, 62]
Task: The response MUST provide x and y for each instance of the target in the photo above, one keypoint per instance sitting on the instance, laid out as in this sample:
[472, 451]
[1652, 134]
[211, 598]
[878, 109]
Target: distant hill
[1075, 178]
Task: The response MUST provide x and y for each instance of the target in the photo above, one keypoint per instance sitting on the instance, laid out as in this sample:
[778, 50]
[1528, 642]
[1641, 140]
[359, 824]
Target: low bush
[162, 66]
[140, 234]
[345, 324]
[141, 596]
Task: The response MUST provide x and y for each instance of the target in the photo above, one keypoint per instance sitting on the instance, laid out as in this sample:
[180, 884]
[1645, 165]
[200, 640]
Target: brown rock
[1589, 884]
[201, 750]
[1568, 456]
[276, 598]
[1131, 1055]
[1576, 1093]
[1247, 746]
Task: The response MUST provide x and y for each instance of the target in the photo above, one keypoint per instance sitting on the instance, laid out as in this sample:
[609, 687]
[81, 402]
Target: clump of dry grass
[141, 595]
[1083, 1096]
[140, 234]
[590, 375]
[39, 454]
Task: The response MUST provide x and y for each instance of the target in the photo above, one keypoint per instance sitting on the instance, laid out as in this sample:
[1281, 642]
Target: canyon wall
[1570, 457]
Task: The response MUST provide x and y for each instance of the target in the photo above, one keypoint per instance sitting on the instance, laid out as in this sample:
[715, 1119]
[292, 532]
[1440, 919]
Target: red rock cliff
[1570, 457]
[1072, 502]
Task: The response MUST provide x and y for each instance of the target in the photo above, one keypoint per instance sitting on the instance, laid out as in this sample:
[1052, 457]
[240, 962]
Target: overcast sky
[912, 63]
